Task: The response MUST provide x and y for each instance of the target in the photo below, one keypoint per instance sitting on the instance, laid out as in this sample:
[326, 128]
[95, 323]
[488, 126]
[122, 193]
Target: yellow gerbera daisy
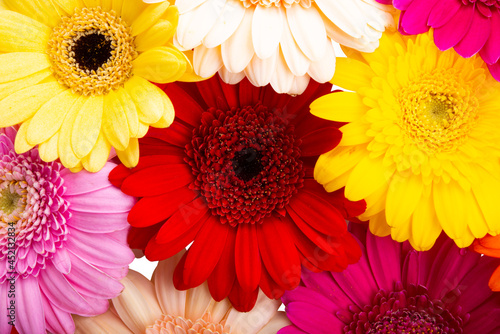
[75, 74]
[422, 142]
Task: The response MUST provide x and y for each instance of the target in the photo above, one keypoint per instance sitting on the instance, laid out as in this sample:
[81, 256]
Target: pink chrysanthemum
[469, 26]
[62, 242]
[395, 289]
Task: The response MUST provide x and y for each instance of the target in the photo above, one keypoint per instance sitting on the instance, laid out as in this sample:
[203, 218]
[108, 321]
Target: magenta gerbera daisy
[62, 242]
[395, 289]
[469, 26]
[234, 174]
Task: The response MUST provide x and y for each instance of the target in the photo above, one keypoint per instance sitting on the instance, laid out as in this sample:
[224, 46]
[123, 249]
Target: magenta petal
[303, 294]
[290, 330]
[495, 70]
[484, 319]
[92, 282]
[323, 283]
[385, 260]
[415, 19]
[491, 50]
[30, 318]
[99, 249]
[402, 4]
[476, 37]
[452, 32]
[56, 319]
[313, 319]
[442, 12]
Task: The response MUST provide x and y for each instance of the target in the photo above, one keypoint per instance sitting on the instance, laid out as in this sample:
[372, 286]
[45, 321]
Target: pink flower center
[406, 311]
[246, 163]
[33, 213]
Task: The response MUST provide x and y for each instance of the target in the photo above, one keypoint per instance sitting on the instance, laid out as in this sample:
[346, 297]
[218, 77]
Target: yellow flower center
[179, 325]
[276, 3]
[92, 51]
[12, 201]
[438, 111]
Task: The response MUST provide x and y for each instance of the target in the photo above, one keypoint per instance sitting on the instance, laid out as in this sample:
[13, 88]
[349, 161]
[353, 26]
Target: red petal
[242, 300]
[205, 252]
[452, 32]
[177, 134]
[157, 180]
[183, 220]
[153, 146]
[186, 108]
[247, 257]
[278, 252]
[223, 276]
[211, 91]
[249, 95]
[269, 287]
[320, 141]
[118, 175]
[178, 272]
[138, 238]
[151, 210]
[158, 160]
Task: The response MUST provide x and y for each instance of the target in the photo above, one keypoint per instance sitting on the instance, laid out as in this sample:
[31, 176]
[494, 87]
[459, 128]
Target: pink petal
[491, 50]
[415, 19]
[98, 222]
[105, 200]
[451, 33]
[30, 318]
[4, 304]
[476, 37]
[62, 261]
[56, 319]
[99, 249]
[442, 12]
[85, 182]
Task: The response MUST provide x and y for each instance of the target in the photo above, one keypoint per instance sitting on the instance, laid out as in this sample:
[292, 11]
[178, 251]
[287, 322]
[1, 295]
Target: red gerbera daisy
[234, 173]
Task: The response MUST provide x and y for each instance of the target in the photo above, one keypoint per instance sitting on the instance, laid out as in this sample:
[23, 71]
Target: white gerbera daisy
[282, 42]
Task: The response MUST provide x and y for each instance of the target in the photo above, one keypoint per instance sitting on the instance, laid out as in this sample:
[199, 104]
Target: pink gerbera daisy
[469, 26]
[62, 242]
[394, 289]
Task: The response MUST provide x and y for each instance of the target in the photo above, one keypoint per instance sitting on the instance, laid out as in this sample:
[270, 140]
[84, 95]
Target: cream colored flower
[282, 42]
[156, 307]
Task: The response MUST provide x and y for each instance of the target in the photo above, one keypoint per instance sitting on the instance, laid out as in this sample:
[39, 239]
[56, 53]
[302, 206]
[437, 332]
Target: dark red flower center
[246, 162]
[406, 311]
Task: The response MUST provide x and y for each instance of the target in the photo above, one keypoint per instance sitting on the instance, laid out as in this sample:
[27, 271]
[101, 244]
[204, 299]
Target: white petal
[229, 77]
[345, 14]
[323, 70]
[279, 321]
[299, 85]
[260, 71]
[195, 25]
[237, 51]
[185, 6]
[251, 322]
[172, 301]
[197, 301]
[267, 27]
[339, 36]
[308, 30]
[226, 24]
[282, 78]
[206, 62]
[295, 58]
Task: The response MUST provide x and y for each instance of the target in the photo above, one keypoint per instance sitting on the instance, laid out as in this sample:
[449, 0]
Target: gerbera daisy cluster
[293, 166]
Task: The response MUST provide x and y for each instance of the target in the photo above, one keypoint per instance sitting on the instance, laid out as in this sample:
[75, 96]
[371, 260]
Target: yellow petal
[339, 107]
[48, 149]
[403, 196]
[147, 99]
[97, 158]
[425, 225]
[69, 6]
[130, 156]
[466, 240]
[48, 119]
[143, 129]
[130, 110]
[451, 208]
[487, 192]
[402, 232]
[156, 36]
[87, 126]
[25, 103]
[115, 125]
[66, 154]
[338, 161]
[129, 10]
[161, 65]
[21, 33]
[378, 225]
[149, 17]
[368, 176]
[11, 87]
[168, 114]
[41, 10]
[77, 168]
[17, 65]
[21, 145]
[352, 74]
[354, 134]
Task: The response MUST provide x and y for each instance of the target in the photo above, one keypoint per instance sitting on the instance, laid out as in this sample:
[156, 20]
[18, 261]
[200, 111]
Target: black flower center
[92, 51]
[247, 163]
